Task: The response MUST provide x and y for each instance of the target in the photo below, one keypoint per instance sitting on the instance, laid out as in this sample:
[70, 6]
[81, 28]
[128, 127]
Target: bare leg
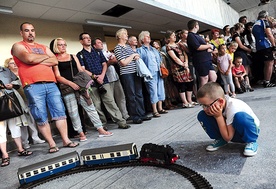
[62, 128]
[3, 147]
[268, 68]
[183, 98]
[47, 134]
[18, 143]
[203, 80]
[212, 76]
[159, 105]
[154, 109]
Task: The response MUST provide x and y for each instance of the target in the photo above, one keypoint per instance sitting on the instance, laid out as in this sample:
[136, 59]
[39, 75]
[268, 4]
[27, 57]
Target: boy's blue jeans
[245, 129]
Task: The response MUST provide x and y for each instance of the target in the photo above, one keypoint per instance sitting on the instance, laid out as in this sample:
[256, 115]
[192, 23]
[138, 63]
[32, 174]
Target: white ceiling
[143, 17]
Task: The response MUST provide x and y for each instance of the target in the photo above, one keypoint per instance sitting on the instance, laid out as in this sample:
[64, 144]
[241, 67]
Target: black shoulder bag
[9, 104]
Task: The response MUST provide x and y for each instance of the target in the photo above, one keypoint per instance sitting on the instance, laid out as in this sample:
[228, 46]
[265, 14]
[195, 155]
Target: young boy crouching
[227, 119]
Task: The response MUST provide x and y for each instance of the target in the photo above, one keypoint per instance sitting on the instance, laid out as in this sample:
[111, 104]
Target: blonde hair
[211, 90]
[7, 61]
[55, 46]
[119, 33]
[142, 36]
[233, 44]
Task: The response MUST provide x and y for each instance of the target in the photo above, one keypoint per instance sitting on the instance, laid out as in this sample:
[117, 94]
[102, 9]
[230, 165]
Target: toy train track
[197, 180]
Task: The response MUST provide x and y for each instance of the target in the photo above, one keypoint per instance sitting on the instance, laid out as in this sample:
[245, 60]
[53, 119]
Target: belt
[43, 82]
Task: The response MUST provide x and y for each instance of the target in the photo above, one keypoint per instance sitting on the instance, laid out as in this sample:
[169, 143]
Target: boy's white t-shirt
[235, 105]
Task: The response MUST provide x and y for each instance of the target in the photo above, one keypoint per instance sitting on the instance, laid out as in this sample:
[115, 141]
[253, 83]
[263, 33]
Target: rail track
[197, 180]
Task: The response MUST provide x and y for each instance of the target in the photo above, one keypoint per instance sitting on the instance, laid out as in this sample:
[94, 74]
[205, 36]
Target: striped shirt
[122, 52]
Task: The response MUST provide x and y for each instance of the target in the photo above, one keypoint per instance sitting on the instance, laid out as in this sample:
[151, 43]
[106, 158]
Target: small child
[227, 119]
[240, 76]
[232, 47]
[224, 63]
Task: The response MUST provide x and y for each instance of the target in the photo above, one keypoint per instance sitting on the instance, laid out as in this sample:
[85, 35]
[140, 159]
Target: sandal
[53, 149]
[5, 162]
[163, 111]
[71, 145]
[25, 153]
[155, 114]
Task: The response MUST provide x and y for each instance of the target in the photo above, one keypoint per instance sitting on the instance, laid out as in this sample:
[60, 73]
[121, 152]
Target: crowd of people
[37, 75]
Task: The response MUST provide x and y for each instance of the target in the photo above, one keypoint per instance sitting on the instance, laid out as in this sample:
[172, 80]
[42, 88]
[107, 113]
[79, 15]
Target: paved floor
[225, 168]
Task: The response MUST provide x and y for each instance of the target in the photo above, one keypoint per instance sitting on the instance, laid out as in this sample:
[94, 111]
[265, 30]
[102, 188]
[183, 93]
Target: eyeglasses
[208, 106]
[11, 63]
[65, 45]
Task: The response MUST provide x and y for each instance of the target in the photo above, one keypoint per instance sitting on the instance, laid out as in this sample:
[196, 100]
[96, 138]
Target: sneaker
[216, 145]
[39, 141]
[26, 146]
[267, 85]
[250, 149]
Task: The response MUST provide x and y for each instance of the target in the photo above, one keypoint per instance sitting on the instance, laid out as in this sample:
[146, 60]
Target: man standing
[201, 53]
[95, 64]
[35, 62]
[113, 78]
[264, 44]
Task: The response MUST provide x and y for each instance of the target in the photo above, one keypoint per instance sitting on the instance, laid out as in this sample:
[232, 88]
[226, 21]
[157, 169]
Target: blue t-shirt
[194, 41]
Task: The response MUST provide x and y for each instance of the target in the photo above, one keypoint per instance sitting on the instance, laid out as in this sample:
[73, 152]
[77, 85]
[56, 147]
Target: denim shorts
[44, 97]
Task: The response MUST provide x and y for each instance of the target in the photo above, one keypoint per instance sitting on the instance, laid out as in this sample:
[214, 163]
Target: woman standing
[9, 63]
[11, 84]
[132, 84]
[180, 70]
[68, 67]
[155, 87]
[242, 49]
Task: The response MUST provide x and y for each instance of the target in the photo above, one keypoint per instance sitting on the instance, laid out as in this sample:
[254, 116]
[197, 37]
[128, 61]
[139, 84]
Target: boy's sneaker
[250, 149]
[216, 145]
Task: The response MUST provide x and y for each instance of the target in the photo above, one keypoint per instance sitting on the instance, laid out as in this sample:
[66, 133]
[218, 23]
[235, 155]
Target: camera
[100, 88]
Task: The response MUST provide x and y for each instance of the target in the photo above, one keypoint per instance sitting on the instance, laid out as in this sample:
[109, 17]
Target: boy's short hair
[210, 90]
[236, 58]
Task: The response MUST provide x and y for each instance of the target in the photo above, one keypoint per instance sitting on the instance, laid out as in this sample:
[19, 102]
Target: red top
[32, 73]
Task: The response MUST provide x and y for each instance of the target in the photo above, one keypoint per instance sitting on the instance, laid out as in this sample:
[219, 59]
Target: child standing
[227, 119]
[224, 66]
[240, 76]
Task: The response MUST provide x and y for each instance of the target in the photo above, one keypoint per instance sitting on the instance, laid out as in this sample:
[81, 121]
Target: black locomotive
[162, 154]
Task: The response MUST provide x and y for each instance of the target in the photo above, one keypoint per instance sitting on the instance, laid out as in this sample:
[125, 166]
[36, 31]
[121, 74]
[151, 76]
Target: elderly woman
[68, 66]
[10, 81]
[9, 63]
[155, 86]
[131, 82]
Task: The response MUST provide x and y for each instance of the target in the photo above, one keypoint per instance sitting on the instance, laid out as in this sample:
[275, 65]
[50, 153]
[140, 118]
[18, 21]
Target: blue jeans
[132, 85]
[43, 97]
[245, 128]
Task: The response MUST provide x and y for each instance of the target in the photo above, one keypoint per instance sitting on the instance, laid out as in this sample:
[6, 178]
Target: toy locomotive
[99, 156]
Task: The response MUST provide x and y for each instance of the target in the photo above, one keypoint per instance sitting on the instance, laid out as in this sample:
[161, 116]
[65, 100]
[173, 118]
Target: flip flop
[105, 135]
[53, 149]
[71, 145]
[163, 111]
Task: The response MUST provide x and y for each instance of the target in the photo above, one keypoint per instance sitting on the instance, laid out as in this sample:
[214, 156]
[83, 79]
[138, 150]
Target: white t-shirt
[235, 105]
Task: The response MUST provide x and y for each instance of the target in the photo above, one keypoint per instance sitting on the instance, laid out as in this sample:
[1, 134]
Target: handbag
[9, 105]
[164, 72]
[65, 89]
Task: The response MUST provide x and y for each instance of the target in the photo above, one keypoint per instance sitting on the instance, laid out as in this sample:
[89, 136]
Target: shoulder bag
[9, 105]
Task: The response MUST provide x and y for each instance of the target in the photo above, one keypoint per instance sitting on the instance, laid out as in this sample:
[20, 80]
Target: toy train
[99, 156]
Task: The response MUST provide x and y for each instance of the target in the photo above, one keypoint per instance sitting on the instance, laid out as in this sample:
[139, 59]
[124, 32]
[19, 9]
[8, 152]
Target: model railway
[119, 156]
